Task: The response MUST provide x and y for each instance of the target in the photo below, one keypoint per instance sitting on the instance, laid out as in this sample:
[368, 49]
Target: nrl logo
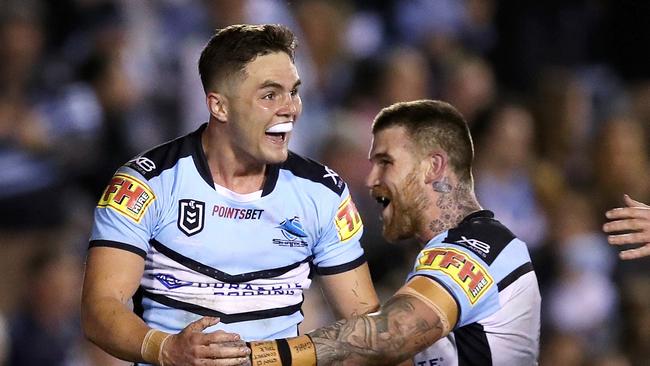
[191, 214]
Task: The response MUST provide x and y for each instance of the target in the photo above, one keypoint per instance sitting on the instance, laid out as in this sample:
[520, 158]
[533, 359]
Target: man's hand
[634, 221]
[193, 347]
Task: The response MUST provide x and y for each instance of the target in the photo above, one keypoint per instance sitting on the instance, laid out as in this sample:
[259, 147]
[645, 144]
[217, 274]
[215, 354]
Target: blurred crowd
[557, 94]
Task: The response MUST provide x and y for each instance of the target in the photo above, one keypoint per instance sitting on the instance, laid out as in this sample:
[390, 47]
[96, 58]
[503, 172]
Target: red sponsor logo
[348, 221]
[128, 196]
[463, 269]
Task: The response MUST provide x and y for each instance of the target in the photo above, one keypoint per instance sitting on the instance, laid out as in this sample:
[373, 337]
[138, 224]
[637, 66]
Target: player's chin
[278, 156]
[395, 232]
[390, 234]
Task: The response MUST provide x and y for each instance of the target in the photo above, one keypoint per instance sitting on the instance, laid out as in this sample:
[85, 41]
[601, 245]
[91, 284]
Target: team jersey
[488, 272]
[211, 252]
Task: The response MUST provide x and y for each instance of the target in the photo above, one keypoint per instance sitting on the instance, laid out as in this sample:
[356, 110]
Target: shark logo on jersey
[191, 214]
[292, 228]
[293, 231]
[170, 281]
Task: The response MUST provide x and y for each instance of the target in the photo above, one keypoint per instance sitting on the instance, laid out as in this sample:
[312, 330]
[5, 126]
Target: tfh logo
[190, 216]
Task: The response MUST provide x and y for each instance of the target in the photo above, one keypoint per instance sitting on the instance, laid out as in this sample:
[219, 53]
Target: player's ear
[435, 166]
[217, 106]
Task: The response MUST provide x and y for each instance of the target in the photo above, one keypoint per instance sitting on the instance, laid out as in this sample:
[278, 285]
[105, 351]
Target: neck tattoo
[442, 186]
[454, 204]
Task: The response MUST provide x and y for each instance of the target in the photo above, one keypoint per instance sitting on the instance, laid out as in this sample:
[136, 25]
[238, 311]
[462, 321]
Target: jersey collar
[201, 163]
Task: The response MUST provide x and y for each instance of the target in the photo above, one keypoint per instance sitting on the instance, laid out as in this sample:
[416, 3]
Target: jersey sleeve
[339, 249]
[125, 213]
[466, 277]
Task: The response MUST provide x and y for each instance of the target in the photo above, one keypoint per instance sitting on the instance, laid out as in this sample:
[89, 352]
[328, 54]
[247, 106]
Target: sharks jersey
[488, 272]
[211, 252]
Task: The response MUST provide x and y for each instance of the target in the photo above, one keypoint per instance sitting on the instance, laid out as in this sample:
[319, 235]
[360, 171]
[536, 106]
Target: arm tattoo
[393, 335]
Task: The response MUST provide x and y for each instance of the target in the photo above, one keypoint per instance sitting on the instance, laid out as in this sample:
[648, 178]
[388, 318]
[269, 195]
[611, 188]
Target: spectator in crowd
[31, 176]
[582, 299]
[49, 313]
[622, 158]
[506, 164]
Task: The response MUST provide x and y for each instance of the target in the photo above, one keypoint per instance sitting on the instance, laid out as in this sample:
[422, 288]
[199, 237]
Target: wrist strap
[152, 345]
[298, 351]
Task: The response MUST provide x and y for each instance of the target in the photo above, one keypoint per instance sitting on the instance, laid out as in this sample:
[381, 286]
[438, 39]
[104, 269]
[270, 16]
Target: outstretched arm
[112, 277]
[415, 317]
[630, 225]
[403, 327]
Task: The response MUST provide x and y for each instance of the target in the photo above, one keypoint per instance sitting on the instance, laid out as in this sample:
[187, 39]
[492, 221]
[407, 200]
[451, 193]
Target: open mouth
[277, 137]
[278, 133]
[384, 201]
[380, 197]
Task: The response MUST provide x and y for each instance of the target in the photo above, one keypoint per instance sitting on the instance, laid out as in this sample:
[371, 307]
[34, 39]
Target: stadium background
[556, 92]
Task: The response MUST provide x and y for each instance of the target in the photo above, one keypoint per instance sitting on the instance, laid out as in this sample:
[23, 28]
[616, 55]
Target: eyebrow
[379, 156]
[276, 85]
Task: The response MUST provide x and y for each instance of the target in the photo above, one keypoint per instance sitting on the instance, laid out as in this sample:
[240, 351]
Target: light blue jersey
[211, 252]
[488, 271]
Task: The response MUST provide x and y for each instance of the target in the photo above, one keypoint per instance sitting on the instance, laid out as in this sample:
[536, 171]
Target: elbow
[373, 308]
[87, 328]
[88, 325]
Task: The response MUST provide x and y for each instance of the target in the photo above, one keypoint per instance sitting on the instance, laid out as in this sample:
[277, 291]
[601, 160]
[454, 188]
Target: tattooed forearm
[394, 334]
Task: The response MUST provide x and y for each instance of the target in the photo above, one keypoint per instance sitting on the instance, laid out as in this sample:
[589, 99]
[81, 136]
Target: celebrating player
[223, 224]
[472, 296]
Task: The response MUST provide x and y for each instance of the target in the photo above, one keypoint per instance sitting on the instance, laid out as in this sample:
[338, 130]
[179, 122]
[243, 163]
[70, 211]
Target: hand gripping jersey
[210, 252]
[489, 273]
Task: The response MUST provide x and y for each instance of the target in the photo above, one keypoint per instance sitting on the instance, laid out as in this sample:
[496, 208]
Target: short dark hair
[431, 124]
[230, 49]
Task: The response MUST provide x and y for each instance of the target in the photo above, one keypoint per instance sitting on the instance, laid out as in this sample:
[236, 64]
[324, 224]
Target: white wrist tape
[152, 345]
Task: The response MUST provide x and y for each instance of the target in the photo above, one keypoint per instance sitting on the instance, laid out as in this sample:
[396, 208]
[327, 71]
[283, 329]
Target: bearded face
[397, 182]
[403, 204]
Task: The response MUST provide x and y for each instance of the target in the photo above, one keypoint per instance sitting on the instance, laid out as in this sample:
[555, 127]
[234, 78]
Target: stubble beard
[407, 207]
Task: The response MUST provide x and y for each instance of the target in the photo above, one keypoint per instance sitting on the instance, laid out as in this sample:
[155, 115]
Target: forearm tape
[152, 345]
[436, 297]
[299, 351]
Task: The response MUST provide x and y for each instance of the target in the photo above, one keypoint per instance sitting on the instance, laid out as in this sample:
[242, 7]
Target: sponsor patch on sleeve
[128, 196]
[348, 221]
[467, 272]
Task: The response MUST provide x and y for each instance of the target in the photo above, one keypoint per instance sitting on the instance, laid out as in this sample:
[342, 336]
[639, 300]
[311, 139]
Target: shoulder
[153, 162]
[314, 171]
[481, 233]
